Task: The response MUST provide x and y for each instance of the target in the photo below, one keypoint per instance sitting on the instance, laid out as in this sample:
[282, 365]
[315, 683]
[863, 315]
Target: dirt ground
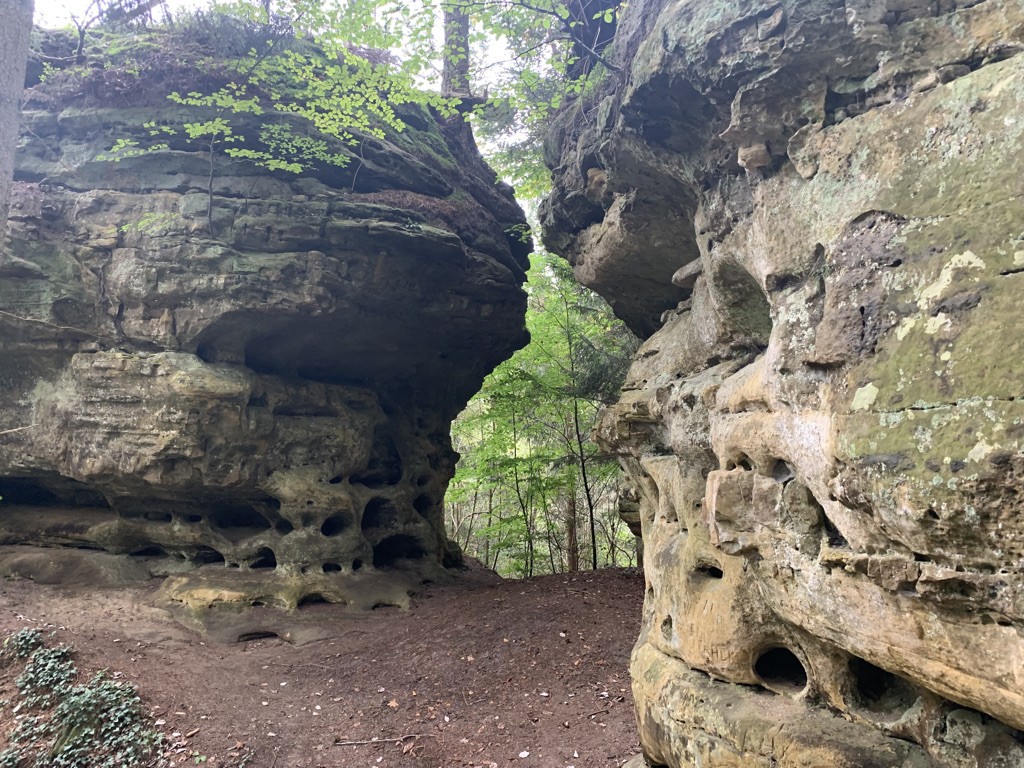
[484, 673]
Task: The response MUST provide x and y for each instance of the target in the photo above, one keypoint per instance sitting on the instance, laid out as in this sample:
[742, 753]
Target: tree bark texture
[15, 26]
[455, 74]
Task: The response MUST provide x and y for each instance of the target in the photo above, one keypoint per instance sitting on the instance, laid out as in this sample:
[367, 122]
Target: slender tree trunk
[14, 36]
[572, 533]
[586, 481]
[455, 75]
[490, 522]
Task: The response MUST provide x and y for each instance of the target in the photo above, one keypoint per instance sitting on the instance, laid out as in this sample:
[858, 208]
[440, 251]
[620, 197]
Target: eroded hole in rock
[257, 401]
[247, 637]
[782, 472]
[385, 465]
[393, 549]
[158, 517]
[264, 559]
[284, 527]
[314, 598]
[380, 513]
[666, 628]
[423, 504]
[334, 525]
[835, 538]
[193, 518]
[207, 556]
[50, 492]
[331, 568]
[741, 462]
[781, 671]
[237, 521]
[452, 560]
[384, 604]
[709, 571]
[357, 564]
[336, 480]
[151, 551]
[422, 480]
[879, 690]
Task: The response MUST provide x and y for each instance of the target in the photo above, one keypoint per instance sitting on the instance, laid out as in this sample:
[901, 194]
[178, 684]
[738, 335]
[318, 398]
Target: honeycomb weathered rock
[260, 378]
[824, 425]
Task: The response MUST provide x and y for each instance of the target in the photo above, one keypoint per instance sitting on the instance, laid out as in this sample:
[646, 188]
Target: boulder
[245, 377]
[823, 425]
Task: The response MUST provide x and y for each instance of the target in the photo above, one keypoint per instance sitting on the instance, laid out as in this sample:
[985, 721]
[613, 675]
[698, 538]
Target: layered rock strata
[813, 211]
[246, 377]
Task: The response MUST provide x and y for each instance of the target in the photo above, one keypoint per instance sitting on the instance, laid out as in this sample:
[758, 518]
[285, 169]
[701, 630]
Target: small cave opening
[334, 525]
[423, 504]
[384, 604]
[395, 548]
[336, 480]
[158, 517]
[264, 559]
[422, 480]
[878, 690]
[150, 551]
[314, 598]
[385, 465]
[781, 670]
[248, 637]
[193, 518]
[357, 564]
[331, 568]
[50, 492]
[207, 556]
[237, 520]
[284, 527]
[379, 512]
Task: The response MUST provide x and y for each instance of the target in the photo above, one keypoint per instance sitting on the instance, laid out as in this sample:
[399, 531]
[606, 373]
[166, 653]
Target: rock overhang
[246, 372]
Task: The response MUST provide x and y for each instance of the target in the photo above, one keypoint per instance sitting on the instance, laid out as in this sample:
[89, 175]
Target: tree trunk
[14, 35]
[572, 536]
[455, 75]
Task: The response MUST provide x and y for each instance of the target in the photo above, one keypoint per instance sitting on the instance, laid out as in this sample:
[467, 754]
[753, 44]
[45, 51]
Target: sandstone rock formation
[248, 373]
[815, 213]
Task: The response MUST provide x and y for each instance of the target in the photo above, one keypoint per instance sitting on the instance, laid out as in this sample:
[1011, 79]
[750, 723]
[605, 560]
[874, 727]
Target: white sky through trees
[54, 14]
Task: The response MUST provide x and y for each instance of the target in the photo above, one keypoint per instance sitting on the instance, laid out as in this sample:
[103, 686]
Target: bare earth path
[473, 675]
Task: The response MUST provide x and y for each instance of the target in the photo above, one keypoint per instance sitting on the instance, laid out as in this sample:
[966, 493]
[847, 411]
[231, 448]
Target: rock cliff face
[247, 378]
[813, 211]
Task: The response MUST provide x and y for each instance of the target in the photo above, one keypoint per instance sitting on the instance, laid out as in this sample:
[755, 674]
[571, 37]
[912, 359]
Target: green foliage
[530, 480]
[47, 676]
[99, 724]
[23, 643]
[102, 724]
